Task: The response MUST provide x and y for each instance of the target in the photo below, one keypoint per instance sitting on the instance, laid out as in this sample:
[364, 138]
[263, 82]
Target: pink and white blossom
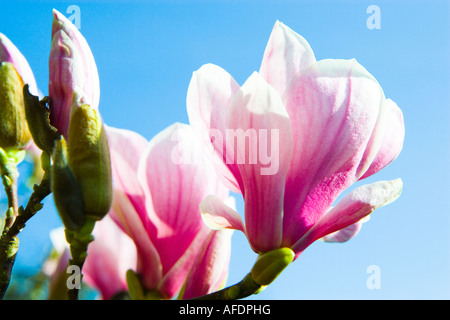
[156, 202]
[335, 127]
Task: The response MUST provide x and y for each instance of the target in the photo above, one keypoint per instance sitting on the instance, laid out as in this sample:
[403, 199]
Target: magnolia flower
[73, 73]
[157, 191]
[291, 139]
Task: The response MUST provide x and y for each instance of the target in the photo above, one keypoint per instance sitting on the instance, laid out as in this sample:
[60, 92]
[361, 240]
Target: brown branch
[9, 243]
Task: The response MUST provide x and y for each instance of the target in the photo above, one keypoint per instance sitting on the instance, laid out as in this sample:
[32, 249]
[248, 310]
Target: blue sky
[146, 53]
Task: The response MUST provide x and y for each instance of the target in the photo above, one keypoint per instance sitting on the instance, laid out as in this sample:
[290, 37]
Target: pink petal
[128, 219]
[344, 234]
[175, 180]
[10, 53]
[333, 107]
[217, 215]
[73, 73]
[129, 207]
[210, 269]
[391, 140]
[285, 55]
[126, 149]
[174, 279]
[352, 208]
[208, 101]
[110, 255]
[260, 141]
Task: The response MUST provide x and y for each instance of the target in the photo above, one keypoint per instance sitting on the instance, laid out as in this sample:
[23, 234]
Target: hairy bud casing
[14, 132]
[89, 160]
[66, 192]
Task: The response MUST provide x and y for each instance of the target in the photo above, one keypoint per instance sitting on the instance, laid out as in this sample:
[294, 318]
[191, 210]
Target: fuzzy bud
[66, 192]
[14, 132]
[89, 160]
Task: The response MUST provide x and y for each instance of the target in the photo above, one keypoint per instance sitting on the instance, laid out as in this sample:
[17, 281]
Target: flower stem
[9, 174]
[78, 259]
[79, 241]
[245, 288]
[8, 245]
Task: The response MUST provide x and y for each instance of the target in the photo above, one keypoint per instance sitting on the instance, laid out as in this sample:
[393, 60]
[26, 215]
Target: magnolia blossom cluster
[290, 140]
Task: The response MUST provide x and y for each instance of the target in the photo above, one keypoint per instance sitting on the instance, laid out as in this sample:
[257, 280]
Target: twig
[9, 176]
[9, 242]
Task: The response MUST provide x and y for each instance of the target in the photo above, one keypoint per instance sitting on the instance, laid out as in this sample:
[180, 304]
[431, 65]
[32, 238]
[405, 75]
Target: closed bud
[270, 264]
[66, 192]
[10, 53]
[14, 132]
[89, 160]
[73, 75]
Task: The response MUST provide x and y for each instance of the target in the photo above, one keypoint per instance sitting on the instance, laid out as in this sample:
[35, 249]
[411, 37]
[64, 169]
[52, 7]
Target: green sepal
[17, 155]
[152, 295]
[270, 264]
[3, 157]
[44, 134]
[79, 239]
[135, 288]
[45, 161]
[9, 159]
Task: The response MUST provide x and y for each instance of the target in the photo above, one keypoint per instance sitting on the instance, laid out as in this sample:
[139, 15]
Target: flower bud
[73, 75]
[10, 53]
[14, 133]
[66, 192]
[89, 160]
[270, 264]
